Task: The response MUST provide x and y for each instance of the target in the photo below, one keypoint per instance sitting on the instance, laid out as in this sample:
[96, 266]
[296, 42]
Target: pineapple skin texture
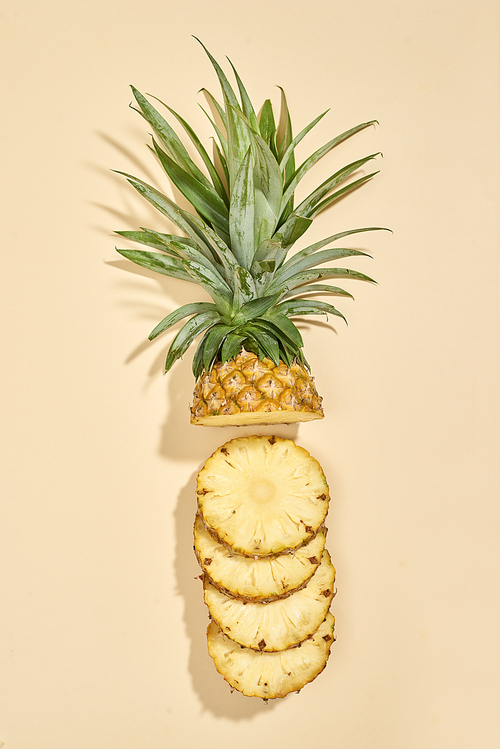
[246, 390]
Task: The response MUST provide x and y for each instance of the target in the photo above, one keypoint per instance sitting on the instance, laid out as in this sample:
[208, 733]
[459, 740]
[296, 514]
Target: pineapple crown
[236, 244]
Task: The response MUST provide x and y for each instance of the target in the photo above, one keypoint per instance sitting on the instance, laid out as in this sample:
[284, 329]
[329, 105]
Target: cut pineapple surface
[279, 624]
[270, 675]
[261, 579]
[262, 495]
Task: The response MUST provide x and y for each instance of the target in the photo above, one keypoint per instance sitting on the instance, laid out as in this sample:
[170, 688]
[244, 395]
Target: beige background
[102, 621]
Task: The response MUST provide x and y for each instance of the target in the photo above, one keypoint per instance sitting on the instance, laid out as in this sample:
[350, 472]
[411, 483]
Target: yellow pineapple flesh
[263, 579]
[261, 496]
[278, 624]
[270, 675]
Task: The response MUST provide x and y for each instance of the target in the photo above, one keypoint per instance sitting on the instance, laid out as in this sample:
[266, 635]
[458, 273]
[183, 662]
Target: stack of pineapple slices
[268, 580]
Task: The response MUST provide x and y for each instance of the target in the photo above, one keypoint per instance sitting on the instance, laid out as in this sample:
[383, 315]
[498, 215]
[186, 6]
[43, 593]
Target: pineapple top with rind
[245, 222]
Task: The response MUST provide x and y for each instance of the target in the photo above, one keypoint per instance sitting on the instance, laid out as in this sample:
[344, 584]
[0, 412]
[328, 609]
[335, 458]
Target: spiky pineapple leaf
[308, 307]
[255, 308]
[187, 334]
[334, 238]
[315, 275]
[151, 238]
[204, 199]
[242, 213]
[267, 126]
[288, 156]
[267, 343]
[159, 201]
[244, 288]
[316, 288]
[285, 328]
[223, 150]
[299, 173]
[292, 230]
[217, 288]
[231, 346]
[247, 105]
[179, 314]
[190, 254]
[237, 136]
[340, 193]
[168, 137]
[213, 342]
[298, 263]
[219, 249]
[268, 184]
[307, 206]
[214, 174]
[164, 264]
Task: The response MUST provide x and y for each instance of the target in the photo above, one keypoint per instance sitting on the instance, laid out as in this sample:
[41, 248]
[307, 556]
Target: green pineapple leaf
[213, 342]
[296, 264]
[308, 307]
[299, 173]
[179, 314]
[267, 126]
[204, 199]
[316, 288]
[242, 213]
[214, 174]
[164, 264]
[187, 334]
[168, 137]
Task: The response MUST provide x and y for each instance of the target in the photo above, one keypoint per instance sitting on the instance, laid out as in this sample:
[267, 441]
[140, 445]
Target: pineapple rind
[248, 390]
[263, 579]
[262, 495]
[270, 675]
[277, 625]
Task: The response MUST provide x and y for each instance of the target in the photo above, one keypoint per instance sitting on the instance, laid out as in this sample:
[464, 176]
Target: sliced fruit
[262, 495]
[270, 675]
[279, 624]
[262, 579]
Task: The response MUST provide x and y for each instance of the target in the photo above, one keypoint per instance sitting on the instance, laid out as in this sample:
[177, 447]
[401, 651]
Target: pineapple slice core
[262, 489]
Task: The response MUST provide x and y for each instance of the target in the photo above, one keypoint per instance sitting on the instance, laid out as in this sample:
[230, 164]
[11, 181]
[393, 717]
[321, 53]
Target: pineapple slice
[262, 579]
[270, 675]
[262, 495]
[279, 624]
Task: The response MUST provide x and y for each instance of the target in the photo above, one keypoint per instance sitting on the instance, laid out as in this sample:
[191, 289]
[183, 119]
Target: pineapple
[279, 624]
[249, 363]
[263, 579]
[262, 495]
[270, 675]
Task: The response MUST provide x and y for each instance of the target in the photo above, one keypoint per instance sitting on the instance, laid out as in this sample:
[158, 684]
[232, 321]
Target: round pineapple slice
[270, 675]
[279, 624]
[262, 495]
[263, 579]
